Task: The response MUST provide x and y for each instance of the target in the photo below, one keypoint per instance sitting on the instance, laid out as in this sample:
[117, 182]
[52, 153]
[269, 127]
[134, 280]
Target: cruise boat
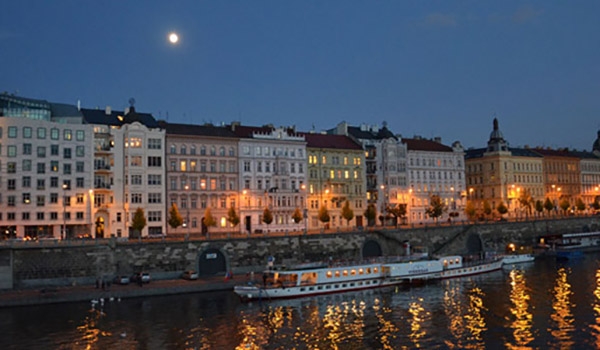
[574, 241]
[511, 259]
[335, 279]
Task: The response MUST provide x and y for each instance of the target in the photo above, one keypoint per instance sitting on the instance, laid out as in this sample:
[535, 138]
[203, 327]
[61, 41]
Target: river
[540, 305]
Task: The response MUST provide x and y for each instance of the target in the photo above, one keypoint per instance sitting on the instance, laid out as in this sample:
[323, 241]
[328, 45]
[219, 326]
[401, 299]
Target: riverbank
[30, 297]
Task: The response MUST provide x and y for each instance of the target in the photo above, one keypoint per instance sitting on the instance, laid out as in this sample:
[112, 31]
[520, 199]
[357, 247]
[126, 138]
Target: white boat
[335, 279]
[511, 259]
[575, 241]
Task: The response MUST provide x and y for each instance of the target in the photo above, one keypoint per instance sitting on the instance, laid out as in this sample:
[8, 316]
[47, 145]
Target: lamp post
[187, 206]
[64, 228]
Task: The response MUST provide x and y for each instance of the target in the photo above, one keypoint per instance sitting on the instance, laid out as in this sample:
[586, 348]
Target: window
[41, 184]
[154, 144]
[154, 179]
[136, 160]
[67, 134]
[79, 167]
[12, 184]
[26, 164]
[27, 148]
[54, 166]
[80, 151]
[136, 198]
[41, 152]
[12, 151]
[154, 198]
[54, 182]
[79, 199]
[136, 179]
[12, 132]
[80, 135]
[54, 133]
[173, 149]
[26, 181]
[154, 216]
[155, 162]
[79, 183]
[41, 168]
[66, 153]
[54, 150]
[11, 167]
[66, 169]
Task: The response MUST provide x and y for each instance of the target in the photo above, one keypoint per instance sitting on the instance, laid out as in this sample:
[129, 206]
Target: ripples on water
[543, 305]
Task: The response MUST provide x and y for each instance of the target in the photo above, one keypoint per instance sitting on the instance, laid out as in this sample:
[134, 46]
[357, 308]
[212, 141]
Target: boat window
[337, 286]
[445, 263]
[457, 261]
[344, 285]
[337, 273]
[345, 273]
[353, 272]
[329, 274]
[319, 287]
[375, 270]
[368, 270]
[360, 271]
[327, 287]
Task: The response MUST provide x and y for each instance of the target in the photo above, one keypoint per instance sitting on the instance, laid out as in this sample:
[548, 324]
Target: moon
[173, 38]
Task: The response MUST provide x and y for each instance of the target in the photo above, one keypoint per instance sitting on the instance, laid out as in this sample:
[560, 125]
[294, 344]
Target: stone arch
[212, 262]
[474, 244]
[371, 248]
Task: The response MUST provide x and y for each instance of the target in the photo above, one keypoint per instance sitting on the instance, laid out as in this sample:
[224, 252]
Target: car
[121, 279]
[143, 277]
[189, 275]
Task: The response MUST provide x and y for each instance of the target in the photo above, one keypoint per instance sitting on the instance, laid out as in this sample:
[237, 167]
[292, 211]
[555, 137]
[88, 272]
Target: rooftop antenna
[131, 101]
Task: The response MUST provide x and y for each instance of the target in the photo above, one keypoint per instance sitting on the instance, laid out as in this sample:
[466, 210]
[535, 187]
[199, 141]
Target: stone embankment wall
[65, 264]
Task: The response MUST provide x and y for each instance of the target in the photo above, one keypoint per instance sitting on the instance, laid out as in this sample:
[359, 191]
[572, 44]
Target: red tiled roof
[330, 141]
[425, 145]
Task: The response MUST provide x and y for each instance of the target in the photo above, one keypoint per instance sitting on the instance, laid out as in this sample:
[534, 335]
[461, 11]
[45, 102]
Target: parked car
[143, 277]
[189, 275]
[122, 279]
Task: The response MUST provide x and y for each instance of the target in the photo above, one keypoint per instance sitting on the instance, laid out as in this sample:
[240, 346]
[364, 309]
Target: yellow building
[336, 175]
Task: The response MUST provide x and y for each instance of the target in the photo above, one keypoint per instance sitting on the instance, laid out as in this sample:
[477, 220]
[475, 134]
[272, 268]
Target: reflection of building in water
[523, 319]
[562, 317]
[418, 317]
[596, 305]
[465, 314]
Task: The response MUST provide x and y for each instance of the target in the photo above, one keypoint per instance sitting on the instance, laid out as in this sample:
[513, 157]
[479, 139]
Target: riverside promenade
[29, 297]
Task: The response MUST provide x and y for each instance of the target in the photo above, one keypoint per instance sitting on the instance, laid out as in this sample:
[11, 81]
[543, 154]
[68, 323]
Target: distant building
[46, 170]
[435, 169]
[202, 174]
[272, 173]
[336, 175]
[129, 172]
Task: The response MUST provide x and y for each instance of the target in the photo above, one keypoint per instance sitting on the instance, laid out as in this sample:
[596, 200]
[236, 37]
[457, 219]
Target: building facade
[336, 176]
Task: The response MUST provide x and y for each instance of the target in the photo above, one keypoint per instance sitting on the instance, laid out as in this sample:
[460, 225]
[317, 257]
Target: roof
[99, 116]
[425, 145]
[248, 131]
[330, 141]
[524, 152]
[64, 110]
[554, 153]
[472, 153]
[196, 130]
[382, 133]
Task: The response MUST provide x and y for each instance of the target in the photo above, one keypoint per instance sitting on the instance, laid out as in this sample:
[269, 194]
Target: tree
[175, 219]
[324, 214]
[297, 215]
[209, 219]
[526, 201]
[436, 207]
[267, 216]
[138, 222]
[539, 206]
[548, 205]
[347, 212]
[564, 205]
[596, 203]
[370, 214]
[502, 208]
[398, 211]
[579, 204]
[470, 210]
[233, 217]
[487, 208]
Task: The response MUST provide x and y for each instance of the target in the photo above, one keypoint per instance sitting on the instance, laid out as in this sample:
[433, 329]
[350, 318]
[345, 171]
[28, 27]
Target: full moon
[173, 38]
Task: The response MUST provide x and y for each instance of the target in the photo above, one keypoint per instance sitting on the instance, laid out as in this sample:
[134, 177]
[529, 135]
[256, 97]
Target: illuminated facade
[45, 170]
[202, 174]
[435, 169]
[272, 174]
[336, 175]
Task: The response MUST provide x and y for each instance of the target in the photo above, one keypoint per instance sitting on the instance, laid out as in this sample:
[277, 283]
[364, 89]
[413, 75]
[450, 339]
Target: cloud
[525, 14]
[440, 20]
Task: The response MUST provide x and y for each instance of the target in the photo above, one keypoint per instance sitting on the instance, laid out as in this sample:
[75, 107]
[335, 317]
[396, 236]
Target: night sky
[428, 68]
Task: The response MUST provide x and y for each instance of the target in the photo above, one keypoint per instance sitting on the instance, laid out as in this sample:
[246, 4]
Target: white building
[435, 169]
[272, 168]
[129, 172]
[45, 170]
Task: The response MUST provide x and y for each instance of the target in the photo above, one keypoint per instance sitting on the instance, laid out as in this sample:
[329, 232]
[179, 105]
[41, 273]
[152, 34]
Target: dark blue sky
[429, 68]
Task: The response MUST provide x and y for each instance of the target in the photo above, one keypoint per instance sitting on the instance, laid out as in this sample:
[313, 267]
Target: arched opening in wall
[371, 249]
[474, 245]
[211, 262]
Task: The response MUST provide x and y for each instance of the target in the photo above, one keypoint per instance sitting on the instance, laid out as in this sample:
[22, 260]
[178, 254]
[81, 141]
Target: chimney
[108, 110]
[437, 139]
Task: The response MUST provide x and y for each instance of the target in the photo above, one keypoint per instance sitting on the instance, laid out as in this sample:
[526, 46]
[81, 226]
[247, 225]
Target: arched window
[173, 149]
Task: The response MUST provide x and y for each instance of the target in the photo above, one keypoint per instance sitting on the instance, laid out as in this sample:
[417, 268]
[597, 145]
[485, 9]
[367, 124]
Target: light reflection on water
[542, 305]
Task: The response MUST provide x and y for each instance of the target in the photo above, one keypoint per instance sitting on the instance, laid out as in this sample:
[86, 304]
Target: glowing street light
[64, 228]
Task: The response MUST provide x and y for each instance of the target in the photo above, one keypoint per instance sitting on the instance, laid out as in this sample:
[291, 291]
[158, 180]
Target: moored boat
[294, 283]
[511, 259]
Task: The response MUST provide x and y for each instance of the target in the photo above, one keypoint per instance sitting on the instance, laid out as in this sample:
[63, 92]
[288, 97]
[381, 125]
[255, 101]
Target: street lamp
[64, 228]
[187, 205]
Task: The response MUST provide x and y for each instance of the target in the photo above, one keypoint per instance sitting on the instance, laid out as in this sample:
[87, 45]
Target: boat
[573, 241]
[324, 279]
[511, 259]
